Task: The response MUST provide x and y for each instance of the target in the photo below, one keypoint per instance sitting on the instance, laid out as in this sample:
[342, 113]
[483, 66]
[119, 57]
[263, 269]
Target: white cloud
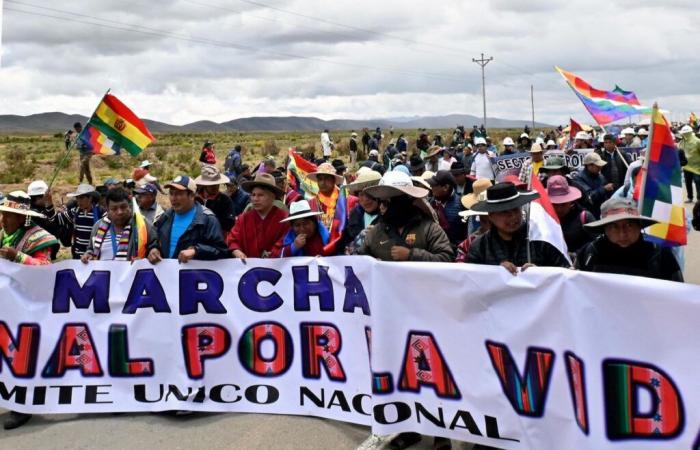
[209, 59]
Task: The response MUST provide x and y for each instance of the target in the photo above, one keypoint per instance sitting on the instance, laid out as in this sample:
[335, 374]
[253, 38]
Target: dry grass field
[24, 158]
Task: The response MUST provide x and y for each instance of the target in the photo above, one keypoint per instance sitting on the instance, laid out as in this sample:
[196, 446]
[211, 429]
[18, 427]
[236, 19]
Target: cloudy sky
[180, 61]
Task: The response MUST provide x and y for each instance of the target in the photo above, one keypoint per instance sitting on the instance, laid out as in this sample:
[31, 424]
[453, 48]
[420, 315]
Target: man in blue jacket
[188, 230]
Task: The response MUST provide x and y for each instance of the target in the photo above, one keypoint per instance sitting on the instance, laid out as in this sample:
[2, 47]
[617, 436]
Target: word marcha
[206, 287]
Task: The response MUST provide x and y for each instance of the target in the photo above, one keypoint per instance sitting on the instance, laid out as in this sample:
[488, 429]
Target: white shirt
[326, 143]
[445, 165]
[107, 252]
[481, 167]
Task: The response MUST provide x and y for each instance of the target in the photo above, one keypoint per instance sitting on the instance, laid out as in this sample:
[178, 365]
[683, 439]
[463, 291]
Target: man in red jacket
[258, 232]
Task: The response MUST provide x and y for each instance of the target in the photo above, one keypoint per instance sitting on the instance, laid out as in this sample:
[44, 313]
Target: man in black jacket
[592, 183]
[506, 243]
[209, 194]
[622, 249]
[617, 162]
[187, 231]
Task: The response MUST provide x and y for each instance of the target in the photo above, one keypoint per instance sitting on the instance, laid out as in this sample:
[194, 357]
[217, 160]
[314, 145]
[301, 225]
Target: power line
[135, 28]
[352, 37]
[351, 27]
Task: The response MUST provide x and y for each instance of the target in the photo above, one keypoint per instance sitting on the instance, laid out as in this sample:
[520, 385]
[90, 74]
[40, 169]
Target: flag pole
[72, 146]
[527, 217]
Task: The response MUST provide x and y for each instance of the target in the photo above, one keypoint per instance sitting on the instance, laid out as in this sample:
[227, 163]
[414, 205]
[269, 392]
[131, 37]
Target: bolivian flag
[114, 127]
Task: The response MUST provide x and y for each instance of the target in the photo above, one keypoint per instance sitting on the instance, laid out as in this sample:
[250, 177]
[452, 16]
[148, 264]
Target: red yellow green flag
[115, 126]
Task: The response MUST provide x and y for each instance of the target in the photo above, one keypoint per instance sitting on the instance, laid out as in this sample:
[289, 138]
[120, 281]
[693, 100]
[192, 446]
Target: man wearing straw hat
[621, 248]
[506, 243]
[258, 232]
[209, 194]
[326, 201]
[25, 243]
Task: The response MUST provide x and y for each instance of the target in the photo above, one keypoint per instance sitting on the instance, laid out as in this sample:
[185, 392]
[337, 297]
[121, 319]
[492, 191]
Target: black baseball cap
[441, 178]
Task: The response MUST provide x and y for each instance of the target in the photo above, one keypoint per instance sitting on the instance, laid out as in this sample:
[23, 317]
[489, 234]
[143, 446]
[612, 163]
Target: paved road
[212, 431]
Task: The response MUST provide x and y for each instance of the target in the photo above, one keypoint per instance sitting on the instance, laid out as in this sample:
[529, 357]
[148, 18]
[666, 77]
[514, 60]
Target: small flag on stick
[114, 127]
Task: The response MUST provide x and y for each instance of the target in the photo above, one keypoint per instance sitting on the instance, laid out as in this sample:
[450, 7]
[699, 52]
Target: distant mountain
[54, 122]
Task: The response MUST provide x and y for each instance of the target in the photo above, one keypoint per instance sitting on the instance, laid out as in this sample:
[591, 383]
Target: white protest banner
[549, 359]
[272, 336]
[506, 165]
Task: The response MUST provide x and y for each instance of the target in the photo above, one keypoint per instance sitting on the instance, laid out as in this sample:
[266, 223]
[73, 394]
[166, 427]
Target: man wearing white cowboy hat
[405, 232]
[328, 196]
[622, 249]
[25, 243]
[258, 232]
[506, 243]
[508, 146]
[307, 236]
[77, 221]
[209, 194]
[524, 142]
[481, 163]
[582, 140]
[629, 138]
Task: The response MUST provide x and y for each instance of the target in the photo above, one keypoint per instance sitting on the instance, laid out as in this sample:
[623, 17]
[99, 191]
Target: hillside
[54, 122]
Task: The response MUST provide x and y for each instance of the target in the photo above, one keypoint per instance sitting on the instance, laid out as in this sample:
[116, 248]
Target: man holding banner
[507, 243]
[621, 248]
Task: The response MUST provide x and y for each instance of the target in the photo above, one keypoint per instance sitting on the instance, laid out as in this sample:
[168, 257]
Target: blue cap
[149, 188]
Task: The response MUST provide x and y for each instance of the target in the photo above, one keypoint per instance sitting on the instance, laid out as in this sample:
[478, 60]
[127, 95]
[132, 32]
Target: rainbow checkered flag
[298, 170]
[661, 194]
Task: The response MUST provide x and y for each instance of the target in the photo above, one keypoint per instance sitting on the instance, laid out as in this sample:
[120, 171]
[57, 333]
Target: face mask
[400, 211]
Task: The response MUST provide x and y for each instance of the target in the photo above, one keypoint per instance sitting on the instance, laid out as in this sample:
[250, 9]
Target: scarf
[122, 252]
[8, 240]
[328, 204]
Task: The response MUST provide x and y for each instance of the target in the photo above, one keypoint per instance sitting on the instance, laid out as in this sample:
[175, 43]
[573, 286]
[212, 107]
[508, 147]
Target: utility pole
[482, 62]
[532, 101]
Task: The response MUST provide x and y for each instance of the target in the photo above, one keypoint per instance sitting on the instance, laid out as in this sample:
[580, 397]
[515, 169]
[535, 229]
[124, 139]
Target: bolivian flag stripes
[120, 125]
